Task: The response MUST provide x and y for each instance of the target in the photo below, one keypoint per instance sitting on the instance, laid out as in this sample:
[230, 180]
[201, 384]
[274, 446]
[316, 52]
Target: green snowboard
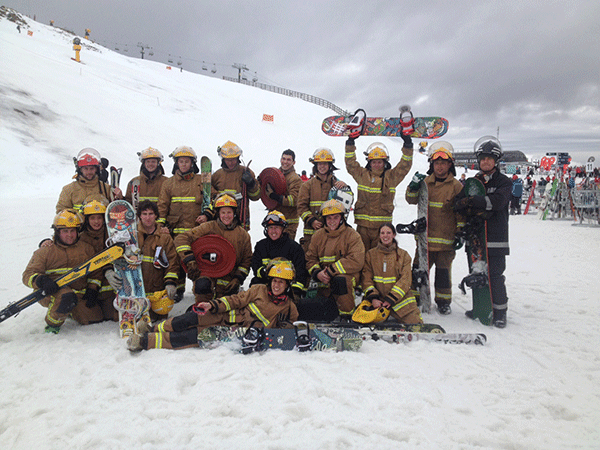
[476, 247]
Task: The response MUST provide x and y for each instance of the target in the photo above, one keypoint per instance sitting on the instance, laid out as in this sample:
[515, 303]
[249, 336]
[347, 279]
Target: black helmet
[488, 146]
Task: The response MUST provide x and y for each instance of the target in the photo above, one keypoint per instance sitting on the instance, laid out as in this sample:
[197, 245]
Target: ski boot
[444, 308]
[499, 319]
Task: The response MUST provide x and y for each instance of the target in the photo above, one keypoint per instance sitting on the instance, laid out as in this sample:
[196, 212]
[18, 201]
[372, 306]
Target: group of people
[313, 279]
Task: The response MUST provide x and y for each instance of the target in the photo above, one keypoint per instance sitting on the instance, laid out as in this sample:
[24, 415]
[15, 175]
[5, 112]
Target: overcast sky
[530, 68]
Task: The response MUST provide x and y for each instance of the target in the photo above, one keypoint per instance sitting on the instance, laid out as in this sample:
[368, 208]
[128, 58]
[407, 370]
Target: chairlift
[151, 53]
[170, 61]
[179, 63]
[254, 78]
[214, 69]
[204, 66]
[117, 48]
[244, 77]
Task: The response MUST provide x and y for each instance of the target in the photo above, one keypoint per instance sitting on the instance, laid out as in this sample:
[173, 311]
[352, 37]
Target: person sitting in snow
[79, 299]
[271, 303]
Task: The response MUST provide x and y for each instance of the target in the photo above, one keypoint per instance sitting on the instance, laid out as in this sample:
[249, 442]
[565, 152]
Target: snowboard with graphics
[131, 300]
[424, 127]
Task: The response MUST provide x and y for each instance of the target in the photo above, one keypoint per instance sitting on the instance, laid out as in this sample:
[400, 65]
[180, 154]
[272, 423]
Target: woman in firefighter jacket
[387, 276]
[271, 304]
[335, 257]
[227, 226]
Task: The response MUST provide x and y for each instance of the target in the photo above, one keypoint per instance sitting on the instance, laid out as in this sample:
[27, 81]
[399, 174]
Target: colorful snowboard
[478, 280]
[425, 127]
[319, 339]
[131, 300]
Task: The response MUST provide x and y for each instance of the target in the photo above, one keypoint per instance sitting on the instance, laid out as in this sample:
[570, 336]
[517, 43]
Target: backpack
[517, 188]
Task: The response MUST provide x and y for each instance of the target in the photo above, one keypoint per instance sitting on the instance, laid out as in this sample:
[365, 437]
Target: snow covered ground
[534, 385]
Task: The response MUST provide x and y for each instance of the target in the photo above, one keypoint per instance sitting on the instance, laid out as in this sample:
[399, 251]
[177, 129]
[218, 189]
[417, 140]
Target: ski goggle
[440, 155]
[160, 259]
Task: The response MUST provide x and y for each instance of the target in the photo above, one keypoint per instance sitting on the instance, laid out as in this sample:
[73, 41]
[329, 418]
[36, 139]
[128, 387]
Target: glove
[372, 296]
[278, 198]
[248, 179]
[458, 242]
[193, 271]
[269, 190]
[171, 291]
[232, 287]
[415, 183]
[298, 292]
[115, 281]
[90, 297]
[47, 284]
[408, 143]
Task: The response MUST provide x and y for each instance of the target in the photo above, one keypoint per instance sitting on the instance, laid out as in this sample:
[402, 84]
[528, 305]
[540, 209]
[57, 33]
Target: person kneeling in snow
[272, 304]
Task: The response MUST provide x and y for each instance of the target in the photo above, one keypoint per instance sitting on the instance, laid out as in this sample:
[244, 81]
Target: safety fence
[278, 90]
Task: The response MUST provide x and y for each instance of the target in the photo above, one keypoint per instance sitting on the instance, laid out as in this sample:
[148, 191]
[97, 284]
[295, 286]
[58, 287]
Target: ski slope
[534, 384]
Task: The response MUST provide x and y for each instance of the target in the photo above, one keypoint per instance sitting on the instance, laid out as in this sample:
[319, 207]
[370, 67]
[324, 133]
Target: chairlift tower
[142, 47]
[240, 67]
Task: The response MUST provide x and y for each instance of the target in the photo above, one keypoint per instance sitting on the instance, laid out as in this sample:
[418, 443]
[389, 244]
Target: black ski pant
[496, 267]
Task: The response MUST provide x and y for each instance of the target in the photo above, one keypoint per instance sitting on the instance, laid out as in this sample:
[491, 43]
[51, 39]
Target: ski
[100, 260]
[205, 175]
[530, 199]
[421, 271]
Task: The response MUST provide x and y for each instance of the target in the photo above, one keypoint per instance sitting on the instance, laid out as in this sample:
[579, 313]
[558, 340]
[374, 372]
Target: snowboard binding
[477, 279]
[407, 120]
[416, 226]
[303, 341]
[253, 339]
[357, 123]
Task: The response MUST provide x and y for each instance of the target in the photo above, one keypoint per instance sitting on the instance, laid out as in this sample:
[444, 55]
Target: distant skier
[516, 194]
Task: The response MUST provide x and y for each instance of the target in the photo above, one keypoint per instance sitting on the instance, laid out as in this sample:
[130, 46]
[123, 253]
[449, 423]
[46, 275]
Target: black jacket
[284, 247]
[498, 190]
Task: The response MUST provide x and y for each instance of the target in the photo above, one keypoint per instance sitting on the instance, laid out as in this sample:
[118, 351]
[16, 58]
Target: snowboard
[530, 199]
[135, 193]
[205, 177]
[475, 234]
[301, 338]
[131, 300]
[403, 333]
[421, 269]
[424, 127]
[103, 258]
[549, 192]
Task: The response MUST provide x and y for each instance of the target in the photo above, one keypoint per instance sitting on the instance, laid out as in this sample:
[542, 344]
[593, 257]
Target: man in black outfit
[494, 206]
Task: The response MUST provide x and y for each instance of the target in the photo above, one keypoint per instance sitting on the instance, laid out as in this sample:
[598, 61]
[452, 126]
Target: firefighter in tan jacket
[79, 298]
[233, 178]
[315, 191]
[87, 186]
[160, 262]
[335, 257]
[180, 202]
[443, 221]
[387, 277]
[377, 184]
[287, 203]
[147, 185]
[272, 304]
[226, 225]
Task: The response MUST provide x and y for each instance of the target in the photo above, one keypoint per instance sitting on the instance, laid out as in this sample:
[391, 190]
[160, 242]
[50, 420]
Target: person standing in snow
[287, 203]
[271, 303]
[493, 206]
[443, 221]
[387, 277]
[278, 244]
[377, 183]
[315, 191]
[232, 175]
[87, 185]
[79, 299]
[150, 180]
[516, 194]
[180, 202]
